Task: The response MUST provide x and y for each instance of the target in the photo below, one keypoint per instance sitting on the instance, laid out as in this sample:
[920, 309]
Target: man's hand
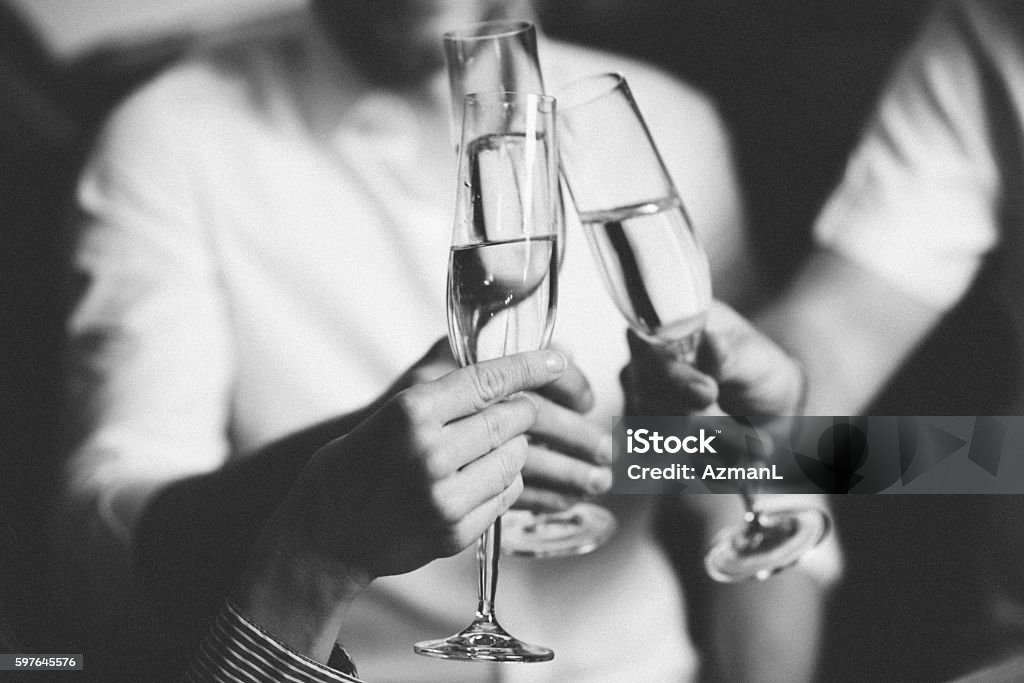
[425, 475]
[739, 371]
[422, 478]
[568, 457]
[758, 630]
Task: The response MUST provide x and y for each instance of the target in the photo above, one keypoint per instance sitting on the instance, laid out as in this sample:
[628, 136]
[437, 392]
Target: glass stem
[685, 350]
[751, 514]
[488, 550]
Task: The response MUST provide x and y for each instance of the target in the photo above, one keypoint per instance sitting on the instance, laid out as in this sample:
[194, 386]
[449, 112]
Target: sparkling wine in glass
[658, 275]
[635, 245]
[501, 56]
[502, 293]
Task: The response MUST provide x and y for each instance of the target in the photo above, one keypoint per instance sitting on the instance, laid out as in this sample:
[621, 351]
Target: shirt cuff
[237, 650]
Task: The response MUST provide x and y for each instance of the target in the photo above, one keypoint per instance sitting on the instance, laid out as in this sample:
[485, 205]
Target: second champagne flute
[658, 275]
[501, 56]
[490, 56]
[502, 292]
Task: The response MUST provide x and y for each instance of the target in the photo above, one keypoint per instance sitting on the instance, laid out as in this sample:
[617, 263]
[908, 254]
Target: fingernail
[555, 361]
[600, 481]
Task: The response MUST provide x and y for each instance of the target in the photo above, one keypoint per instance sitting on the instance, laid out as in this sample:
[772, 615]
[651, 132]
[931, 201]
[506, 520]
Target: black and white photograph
[512, 341]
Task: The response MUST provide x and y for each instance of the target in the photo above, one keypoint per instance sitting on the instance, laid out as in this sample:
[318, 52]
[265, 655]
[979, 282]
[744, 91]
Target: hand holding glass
[657, 273]
[501, 56]
[502, 292]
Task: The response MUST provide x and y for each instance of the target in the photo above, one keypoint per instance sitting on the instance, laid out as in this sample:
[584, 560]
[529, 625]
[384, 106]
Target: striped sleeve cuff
[236, 650]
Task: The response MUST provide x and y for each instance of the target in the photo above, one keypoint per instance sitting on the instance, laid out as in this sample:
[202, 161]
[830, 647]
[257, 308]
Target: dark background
[794, 81]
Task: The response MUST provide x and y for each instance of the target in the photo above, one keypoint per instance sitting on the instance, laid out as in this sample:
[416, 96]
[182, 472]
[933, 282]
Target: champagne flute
[501, 56]
[656, 271]
[490, 56]
[502, 292]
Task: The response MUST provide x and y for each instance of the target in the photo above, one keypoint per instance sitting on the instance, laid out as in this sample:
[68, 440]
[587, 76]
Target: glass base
[766, 544]
[484, 641]
[579, 530]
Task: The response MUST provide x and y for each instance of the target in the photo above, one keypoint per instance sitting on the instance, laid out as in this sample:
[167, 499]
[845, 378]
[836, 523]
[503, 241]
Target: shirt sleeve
[918, 203]
[149, 355]
[236, 650]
